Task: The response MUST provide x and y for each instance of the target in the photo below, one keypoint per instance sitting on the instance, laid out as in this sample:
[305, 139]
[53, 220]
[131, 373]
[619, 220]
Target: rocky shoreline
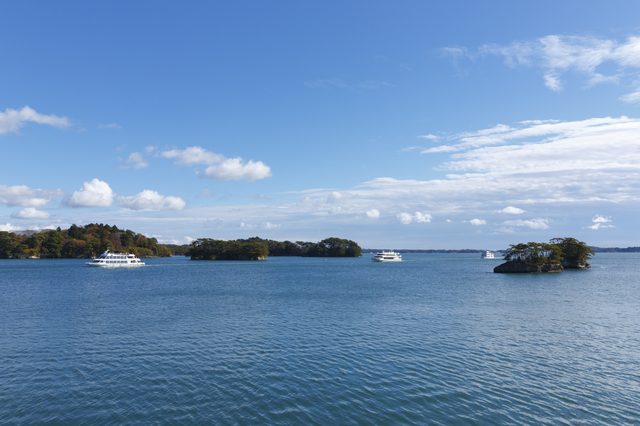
[521, 266]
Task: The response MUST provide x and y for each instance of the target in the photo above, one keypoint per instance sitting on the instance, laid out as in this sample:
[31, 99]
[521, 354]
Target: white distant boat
[488, 255]
[387, 256]
[116, 260]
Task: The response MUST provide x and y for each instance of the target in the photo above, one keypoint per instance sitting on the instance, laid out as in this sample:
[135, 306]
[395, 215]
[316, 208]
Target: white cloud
[334, 197]
[600, 225]
[422, 217]
[220, 167]
[599, 222]
[511, 210]
[138, 160]
[31, 213]
[552, 82]
[177, 241]
[235, 169]
[264, 226]
[478, 222]
[406, 218]
[553, 147]
[12, 120]
[193, 155]
[269, 225]
[533, 223]
[373, 213]
[601, 219]
[432, 137]
[7, 227]
[109, 126]
[92, 194]
[632, 98]
[151, 200]
[23, 196]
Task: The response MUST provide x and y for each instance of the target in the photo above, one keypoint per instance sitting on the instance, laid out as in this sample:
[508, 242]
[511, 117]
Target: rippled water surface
[436, 339]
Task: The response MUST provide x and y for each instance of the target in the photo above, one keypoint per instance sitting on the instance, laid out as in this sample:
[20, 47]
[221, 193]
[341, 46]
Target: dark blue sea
[437, 339]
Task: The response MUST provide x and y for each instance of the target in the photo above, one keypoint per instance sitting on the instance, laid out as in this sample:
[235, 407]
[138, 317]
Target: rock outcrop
[520, 266]
[574, 264]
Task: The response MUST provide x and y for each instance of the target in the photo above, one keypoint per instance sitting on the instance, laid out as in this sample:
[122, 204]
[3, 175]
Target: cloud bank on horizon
[530, 164]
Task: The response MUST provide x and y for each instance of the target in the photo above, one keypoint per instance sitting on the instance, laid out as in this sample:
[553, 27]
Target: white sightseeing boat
[387, 256]
[488, 255]
[116, 260]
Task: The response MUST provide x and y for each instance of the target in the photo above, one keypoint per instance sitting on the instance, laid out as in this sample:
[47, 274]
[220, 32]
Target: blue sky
[410, 125]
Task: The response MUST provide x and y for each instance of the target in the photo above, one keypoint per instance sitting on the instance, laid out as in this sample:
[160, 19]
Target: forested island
[556, 256]
[258, 249]
[87, 241]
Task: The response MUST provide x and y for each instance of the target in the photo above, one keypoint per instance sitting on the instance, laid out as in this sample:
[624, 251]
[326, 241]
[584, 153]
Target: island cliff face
[521, 266]
[575, 264]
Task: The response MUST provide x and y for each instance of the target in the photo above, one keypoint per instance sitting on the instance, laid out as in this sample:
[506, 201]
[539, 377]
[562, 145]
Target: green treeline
[208, 249]
[558, 250]
[257, 248]
[79, 242]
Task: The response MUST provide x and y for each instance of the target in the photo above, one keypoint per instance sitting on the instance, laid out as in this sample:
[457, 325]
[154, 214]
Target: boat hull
[114, 265]
[115, 260]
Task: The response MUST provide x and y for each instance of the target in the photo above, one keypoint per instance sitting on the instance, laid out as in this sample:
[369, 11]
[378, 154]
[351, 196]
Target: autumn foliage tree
[79, 242]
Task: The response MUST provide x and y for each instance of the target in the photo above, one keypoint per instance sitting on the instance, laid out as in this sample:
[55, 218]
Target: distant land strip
[595, 249]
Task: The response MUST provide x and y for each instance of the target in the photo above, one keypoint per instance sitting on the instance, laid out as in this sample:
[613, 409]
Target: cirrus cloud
[373, 214]
[557, 55]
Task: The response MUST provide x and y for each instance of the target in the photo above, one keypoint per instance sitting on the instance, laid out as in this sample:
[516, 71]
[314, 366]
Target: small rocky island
[556, 256]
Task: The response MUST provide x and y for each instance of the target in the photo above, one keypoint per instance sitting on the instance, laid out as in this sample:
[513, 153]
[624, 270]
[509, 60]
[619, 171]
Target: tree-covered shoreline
[79, 242]
[258, 249]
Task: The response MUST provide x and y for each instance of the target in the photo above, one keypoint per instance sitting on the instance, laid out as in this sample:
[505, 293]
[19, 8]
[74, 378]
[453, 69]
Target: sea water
[437, 339]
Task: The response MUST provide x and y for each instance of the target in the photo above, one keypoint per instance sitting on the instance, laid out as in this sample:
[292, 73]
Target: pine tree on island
[555, 256]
